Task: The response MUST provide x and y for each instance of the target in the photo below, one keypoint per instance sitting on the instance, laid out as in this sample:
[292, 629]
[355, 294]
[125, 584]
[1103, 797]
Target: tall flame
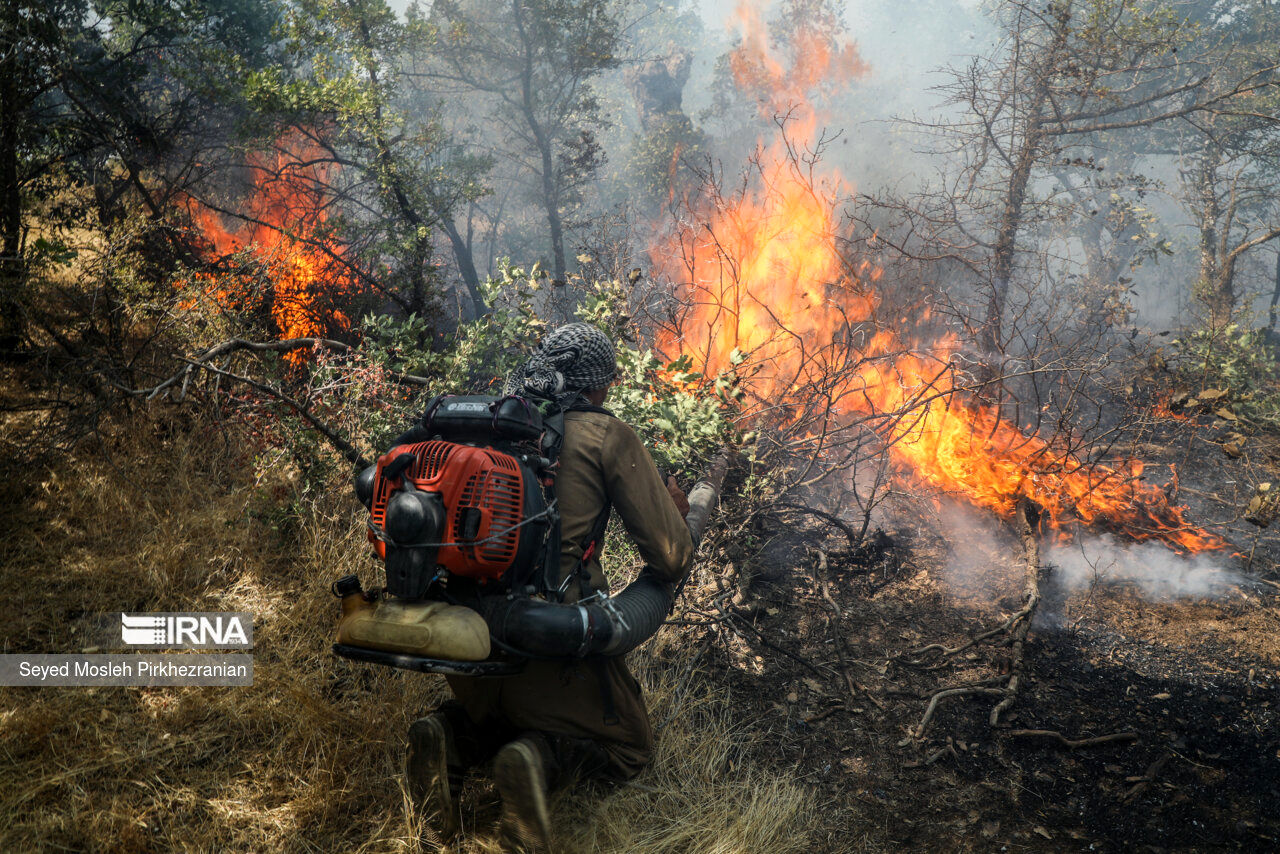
[282, 222]
[763, 276]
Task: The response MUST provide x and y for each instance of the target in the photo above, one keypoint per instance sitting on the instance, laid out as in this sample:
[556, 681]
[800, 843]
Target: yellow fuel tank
[428, 628]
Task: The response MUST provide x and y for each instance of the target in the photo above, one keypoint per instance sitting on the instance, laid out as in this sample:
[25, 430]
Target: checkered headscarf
[571, 358]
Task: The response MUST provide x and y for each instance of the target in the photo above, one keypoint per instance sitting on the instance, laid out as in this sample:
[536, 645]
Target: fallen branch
[980, 689]
[234, 345]
[844, 527]
[1029, 519]
[1074, 743]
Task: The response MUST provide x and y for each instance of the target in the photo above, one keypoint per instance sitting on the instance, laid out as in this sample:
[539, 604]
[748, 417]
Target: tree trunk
[1275, 297]
[1004, 252]
[1005, 249]
[1216, 284]
[550, 188]
[12, 272]
[466, 266]
[554, 223]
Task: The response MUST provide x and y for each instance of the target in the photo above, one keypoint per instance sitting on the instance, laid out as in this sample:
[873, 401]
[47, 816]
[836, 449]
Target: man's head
[575, 357]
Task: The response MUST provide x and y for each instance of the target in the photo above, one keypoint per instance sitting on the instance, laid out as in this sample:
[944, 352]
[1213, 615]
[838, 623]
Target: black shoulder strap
[587, 407]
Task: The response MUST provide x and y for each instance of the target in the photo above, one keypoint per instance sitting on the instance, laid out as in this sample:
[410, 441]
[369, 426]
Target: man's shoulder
[582, 422]
[600, 423]
[595, 416]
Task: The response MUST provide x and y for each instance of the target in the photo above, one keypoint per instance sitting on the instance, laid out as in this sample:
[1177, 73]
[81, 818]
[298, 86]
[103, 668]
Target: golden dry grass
[158, 515]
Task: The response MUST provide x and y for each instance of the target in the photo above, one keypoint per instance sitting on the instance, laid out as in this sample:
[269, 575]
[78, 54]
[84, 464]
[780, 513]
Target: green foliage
[666, 403]
[1238, 359]
[657, 159]
[682, 416]
[604, 305]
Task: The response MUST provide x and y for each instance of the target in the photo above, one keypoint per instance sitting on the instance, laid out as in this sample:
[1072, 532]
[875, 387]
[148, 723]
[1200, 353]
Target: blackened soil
[1194, 681]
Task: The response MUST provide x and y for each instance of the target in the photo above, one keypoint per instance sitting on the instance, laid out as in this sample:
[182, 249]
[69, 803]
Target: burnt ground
[1194, 680]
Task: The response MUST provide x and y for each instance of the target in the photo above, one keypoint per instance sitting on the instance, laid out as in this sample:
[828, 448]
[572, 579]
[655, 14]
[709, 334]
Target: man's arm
[645, 504]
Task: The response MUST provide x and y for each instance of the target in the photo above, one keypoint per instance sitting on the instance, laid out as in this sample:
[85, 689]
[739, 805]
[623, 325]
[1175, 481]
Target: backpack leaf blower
[463, 515]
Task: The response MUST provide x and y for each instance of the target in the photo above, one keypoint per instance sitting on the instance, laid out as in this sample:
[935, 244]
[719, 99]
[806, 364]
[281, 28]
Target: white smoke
[974, 566]
[1156, 572]
[978, 564]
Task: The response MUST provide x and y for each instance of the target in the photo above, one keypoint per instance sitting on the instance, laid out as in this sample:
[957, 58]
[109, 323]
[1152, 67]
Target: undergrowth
[162, 513]
[1238, 359]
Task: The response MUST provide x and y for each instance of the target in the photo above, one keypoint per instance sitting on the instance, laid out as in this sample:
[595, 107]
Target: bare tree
[1030, 112]
[532, 62]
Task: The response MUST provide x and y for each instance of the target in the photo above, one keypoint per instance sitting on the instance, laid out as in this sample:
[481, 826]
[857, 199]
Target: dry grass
[702, 793]
[160, 516]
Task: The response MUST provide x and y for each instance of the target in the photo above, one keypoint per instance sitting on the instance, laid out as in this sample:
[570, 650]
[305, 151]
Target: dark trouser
[589, 715]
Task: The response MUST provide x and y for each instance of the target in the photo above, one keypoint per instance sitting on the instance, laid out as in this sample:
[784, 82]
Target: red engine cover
[466, 477]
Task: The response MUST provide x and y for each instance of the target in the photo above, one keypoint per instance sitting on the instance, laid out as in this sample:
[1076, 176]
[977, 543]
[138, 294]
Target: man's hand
[678, 496]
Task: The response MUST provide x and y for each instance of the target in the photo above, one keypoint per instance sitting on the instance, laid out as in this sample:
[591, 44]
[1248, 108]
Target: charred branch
[1029, 522]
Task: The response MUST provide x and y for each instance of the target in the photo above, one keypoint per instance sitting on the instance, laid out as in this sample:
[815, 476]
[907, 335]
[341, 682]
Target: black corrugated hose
[610, 625]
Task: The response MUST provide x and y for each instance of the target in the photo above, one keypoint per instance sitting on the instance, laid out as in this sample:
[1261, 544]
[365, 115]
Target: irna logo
[187, 630]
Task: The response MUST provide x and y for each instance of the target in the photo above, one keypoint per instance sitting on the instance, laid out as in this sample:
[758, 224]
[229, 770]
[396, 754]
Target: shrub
[1238, 359]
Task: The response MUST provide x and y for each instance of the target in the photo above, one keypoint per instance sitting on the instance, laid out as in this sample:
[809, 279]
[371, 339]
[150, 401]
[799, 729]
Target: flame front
[282, 223]
[763, 276]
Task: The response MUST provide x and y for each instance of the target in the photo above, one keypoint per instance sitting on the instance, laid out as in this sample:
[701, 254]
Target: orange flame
[282, 223]
[763, 276]
[1162, 410]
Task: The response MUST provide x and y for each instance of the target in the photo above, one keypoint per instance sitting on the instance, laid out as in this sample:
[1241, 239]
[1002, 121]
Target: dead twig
[737, 619]
[233, 345]
[947, 652]
[844, 527]
[828, 712]
[949, 750]
[1140, 784]
[1074, 743]
[342, 445]
[833, 623]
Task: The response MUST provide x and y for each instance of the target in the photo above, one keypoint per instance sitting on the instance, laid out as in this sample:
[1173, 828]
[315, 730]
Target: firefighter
[561, 720]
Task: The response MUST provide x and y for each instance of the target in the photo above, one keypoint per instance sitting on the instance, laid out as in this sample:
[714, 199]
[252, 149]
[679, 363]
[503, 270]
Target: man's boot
[520, 772]
[433, 773]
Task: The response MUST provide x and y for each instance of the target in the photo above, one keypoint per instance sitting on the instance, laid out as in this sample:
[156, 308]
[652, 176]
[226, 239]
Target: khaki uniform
[602, 460]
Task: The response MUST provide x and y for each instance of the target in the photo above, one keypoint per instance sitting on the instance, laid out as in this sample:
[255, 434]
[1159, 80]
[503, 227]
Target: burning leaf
[1264, 507]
